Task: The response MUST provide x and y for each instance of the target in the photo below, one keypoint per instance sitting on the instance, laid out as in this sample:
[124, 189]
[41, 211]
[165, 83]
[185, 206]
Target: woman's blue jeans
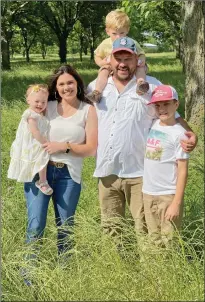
[66, 193]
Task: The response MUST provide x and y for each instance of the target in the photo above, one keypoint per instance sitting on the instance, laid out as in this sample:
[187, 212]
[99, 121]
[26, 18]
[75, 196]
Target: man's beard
[122, 77]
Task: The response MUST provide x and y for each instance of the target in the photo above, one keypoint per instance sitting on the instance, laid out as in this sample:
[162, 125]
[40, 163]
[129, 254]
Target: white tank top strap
[85, 109]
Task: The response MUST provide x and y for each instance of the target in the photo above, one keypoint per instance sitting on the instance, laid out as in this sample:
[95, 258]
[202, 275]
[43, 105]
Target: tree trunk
[12, 52]
[91, 53]
[193, 38]
[43, 50]
[81, 55]
[5, 54]
[27, 55]
[179, 50]
[81, 48]
[25, 44]
[43, 55]
[92, 49]
[85, 50]
[62, 50]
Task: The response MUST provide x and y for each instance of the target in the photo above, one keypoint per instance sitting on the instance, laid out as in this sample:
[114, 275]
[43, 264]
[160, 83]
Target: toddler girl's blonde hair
[117, 19]
[35, 88]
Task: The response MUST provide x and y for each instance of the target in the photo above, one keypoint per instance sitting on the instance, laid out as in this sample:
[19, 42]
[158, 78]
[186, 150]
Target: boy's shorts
[161, 231]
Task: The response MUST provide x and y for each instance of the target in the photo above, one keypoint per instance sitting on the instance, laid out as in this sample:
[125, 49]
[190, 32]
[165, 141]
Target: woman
[72, 136]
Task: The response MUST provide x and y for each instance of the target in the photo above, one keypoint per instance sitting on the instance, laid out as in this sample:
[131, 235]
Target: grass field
[97, 271]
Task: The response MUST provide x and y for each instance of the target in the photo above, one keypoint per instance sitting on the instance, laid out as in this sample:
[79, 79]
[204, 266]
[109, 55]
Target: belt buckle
[59, 165]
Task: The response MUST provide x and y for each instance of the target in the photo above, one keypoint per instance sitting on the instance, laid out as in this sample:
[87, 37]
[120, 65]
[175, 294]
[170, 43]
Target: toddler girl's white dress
[27, 154]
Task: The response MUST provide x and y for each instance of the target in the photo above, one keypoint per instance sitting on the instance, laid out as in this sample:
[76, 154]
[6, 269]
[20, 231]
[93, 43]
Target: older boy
[165, 168]
[117, 25]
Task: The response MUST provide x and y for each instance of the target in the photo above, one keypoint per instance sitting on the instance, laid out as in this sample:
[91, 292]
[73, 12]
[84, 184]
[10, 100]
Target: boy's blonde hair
[117, 19]
[35, 88]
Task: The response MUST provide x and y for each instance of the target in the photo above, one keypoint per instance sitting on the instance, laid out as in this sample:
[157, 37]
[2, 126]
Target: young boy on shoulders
[117, 25]
[165, 168]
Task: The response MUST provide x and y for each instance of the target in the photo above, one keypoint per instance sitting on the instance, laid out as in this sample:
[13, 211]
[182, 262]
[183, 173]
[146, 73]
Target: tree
[79, 33]
[193, 39]
[9, 12]
[168, 17]
[33, 30]
[45, 38]
[29, 32]
[60, 16]
[16, 41]
[94, 23]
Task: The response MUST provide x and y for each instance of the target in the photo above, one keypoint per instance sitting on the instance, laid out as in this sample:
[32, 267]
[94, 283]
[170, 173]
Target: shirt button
[111, 134]
[110, 147]
[115, 109]
[113, 122]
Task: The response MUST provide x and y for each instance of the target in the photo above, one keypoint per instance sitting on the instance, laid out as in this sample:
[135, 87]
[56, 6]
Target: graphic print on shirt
[154, 147]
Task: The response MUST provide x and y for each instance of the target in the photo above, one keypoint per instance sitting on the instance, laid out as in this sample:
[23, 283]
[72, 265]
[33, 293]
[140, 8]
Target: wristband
[68, 148]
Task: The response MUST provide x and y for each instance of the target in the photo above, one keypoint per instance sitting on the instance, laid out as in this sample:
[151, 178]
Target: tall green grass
[96, 270]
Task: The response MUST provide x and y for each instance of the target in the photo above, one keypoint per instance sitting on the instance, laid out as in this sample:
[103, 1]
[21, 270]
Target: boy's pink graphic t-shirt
[163, 149]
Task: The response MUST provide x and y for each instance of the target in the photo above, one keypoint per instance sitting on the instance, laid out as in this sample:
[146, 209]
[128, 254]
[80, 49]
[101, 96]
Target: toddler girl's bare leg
[42, 175]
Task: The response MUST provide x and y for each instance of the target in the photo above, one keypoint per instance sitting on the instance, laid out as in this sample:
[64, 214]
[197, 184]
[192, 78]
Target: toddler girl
[27, 154]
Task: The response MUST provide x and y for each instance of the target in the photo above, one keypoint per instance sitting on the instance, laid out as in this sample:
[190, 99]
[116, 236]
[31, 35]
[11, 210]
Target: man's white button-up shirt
[124, 120]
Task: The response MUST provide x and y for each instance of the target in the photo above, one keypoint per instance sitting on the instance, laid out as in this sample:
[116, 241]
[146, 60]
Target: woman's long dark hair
[52, 81]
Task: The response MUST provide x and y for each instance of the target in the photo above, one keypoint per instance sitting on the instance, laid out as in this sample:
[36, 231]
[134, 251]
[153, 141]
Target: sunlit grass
[96, 270]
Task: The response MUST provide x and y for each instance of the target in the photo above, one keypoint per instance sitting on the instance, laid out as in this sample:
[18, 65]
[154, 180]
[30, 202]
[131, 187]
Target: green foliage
[10, 11]
[161, 18]
[97, 270]
[94, 25]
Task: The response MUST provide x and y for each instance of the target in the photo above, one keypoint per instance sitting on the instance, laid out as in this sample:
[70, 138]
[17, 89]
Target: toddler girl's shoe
[44, 187]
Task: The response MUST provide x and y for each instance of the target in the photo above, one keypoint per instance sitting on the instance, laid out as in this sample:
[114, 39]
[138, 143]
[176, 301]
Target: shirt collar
[127, 87]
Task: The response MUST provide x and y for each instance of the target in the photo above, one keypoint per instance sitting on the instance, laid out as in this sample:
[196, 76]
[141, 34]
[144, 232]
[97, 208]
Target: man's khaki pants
[161, 231]
[114, 192]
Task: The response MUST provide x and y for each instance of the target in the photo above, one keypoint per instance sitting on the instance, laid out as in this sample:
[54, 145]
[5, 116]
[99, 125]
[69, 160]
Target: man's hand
[190, 143]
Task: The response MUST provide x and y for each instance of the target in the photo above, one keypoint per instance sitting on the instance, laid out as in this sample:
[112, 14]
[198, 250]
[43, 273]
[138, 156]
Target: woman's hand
[54, 147]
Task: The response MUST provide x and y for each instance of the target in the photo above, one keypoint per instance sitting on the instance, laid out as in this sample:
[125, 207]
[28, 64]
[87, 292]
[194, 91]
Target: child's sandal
[47, 191]
[94, 97]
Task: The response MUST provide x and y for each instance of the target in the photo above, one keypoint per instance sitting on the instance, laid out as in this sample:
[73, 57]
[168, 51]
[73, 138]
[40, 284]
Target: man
[124, 120]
